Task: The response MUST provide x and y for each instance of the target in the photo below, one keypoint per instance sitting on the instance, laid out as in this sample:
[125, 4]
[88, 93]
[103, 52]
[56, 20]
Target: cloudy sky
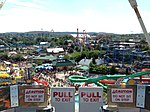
[113, 16]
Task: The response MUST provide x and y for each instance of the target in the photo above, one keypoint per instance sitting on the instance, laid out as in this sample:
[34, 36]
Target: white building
[81, 35]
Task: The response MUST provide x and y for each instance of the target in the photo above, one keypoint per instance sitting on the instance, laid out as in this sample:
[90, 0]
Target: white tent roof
[7, 62]
[55, 50]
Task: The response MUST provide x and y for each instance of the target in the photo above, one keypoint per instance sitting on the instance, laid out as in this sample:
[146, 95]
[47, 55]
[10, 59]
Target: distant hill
[55, 33]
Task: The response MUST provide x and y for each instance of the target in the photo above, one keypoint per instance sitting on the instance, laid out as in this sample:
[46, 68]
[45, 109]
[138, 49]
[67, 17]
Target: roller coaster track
[96, 80]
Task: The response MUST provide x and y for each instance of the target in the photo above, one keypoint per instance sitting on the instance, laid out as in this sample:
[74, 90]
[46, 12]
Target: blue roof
[38, 50]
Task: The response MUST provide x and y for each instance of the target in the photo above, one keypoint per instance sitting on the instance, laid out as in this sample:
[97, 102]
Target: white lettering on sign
[34, 95]
[90, 96]
[121, 95]
[62, 96]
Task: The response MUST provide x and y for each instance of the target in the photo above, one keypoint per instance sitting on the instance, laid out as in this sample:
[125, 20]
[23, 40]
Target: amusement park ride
[119, 90]
[110, 79]
[134, 6]
[100, 80]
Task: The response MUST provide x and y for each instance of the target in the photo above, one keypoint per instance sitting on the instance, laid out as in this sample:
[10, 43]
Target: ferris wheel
[2, 2]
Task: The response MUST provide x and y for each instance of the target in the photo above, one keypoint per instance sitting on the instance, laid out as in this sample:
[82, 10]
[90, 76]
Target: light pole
[133, 4]
[1, 5]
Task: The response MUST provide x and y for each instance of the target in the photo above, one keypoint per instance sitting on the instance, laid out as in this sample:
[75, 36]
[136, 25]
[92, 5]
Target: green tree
[76, 56]
[18, 57]
[38, 62]
[145, 47]
[102, 69]
[113, 70]
[4, 56]
[93, 61]
[84, 54]
[92, 68]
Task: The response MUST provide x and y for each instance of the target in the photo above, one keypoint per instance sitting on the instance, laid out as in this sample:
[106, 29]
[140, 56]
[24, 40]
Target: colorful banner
[5, 80]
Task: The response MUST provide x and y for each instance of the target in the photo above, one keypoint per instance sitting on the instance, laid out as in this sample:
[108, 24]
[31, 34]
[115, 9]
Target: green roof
[63, 62]
[45, 58]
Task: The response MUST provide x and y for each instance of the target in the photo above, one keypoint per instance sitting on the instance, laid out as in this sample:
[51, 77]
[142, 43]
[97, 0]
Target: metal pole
[1, 4]
[134, 6]
[142, 25]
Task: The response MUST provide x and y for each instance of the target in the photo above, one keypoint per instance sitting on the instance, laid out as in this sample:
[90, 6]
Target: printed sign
[63, 99]
[90, 99]
[62, 96]
[34, 95]
[121, 95]
[14, 95]
[140, 99]
[90, 96]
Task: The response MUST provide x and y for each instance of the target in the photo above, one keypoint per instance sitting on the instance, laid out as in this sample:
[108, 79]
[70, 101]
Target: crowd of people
[55, 78]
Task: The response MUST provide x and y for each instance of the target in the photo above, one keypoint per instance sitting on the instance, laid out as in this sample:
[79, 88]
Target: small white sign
[34, 95]
[14, 95]
[121, 95]
[140, 100]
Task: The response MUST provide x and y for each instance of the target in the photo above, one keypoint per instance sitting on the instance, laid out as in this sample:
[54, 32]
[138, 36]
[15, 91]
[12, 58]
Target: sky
[112, 16]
